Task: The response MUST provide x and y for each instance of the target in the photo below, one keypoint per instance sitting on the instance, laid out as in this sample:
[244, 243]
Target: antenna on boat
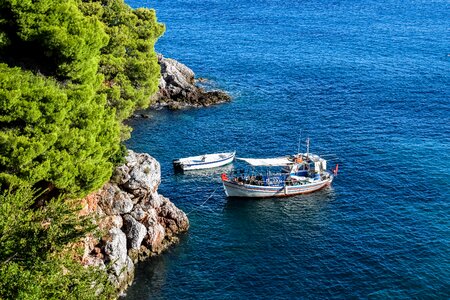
[299, 141]
[307, 147]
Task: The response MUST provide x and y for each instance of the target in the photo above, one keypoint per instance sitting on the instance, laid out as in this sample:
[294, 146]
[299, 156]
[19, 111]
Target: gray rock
[145, 175]
[125, 277]
[177, 88]
[114, 200]
[170, 212]
[153, 200]
[148, 220]
[155, 237]
[122, 203]
[116, 251]
[138, 213]
[121, 175]
[134, 231]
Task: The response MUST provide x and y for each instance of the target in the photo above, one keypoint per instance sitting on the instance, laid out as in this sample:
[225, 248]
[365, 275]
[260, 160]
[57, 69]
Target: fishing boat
[298, 174]
[205, 161]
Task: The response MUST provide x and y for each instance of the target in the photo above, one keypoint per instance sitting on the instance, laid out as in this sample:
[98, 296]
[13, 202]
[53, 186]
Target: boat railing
[271, 179]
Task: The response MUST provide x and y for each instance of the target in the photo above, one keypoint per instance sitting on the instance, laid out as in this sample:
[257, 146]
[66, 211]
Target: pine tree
[56, 130]
[128, 62]
[70, 72]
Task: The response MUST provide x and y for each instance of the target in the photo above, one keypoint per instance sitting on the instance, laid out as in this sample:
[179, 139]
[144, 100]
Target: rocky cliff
[178, 88]
[136, 221]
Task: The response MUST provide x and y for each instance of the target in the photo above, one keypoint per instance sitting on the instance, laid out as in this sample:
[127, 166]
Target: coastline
[136, 221]
[178, 88]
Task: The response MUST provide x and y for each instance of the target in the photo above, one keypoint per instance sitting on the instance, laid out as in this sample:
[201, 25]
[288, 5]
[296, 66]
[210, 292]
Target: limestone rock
[155, 238]
[109, 222]
[135, 231]
[138, 213]
[145, 174]
[177, 88]
[139, 222]
[116, 251]
[170, 212]
[113, 200]
[121, 175]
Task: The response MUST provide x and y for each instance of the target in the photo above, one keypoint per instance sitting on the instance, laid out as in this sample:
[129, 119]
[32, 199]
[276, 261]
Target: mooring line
[210, 196]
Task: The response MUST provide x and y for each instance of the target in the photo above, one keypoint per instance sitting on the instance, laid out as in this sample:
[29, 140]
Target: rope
[210, 196]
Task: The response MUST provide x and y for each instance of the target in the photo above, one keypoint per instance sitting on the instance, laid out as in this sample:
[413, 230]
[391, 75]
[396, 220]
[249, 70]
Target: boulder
[145, 174]
[121, 175]
[138, 213]
[155, 238]
[115, 201]
[134, 231]
[116, 252]
[170, 212]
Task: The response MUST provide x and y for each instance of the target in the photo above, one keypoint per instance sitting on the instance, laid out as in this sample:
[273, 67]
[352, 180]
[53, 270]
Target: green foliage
[56, 136]
[35, 262]
[128, 62]
[70, 72]
[52, 37]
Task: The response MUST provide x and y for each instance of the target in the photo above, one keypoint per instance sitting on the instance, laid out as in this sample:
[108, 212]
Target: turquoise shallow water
[368, 82]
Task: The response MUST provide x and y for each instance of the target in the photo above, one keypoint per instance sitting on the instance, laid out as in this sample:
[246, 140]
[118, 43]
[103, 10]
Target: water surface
[369, 82]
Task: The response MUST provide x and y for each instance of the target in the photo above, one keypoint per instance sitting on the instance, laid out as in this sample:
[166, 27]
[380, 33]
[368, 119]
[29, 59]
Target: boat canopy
[268, 162]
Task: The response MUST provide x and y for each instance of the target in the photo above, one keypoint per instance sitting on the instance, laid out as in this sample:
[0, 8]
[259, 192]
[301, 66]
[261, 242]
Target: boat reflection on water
[296, 219]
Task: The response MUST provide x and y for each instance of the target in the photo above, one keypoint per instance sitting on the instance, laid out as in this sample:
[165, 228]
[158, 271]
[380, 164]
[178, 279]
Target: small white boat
[205, 161]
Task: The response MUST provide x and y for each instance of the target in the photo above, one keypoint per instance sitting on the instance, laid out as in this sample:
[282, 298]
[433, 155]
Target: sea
[369, 83]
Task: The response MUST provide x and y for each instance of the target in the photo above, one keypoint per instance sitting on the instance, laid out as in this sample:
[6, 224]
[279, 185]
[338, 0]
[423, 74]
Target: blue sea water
[367, 81]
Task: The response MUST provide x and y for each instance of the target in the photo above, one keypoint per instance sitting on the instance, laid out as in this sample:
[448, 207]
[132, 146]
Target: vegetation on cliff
[35, 260]
[70, 72]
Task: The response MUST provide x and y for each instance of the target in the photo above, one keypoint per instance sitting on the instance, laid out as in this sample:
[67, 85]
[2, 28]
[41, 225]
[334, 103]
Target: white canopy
[268, 162]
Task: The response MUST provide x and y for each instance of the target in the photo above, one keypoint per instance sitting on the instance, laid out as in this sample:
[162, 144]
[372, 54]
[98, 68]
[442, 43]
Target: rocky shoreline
[179, 89]
[136, 221]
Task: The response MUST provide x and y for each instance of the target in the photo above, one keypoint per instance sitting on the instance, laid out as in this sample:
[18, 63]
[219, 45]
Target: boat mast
[299, 141]
[307, 147]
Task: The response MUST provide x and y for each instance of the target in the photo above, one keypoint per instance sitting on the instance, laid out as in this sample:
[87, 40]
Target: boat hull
[234, 189]
[190, 166]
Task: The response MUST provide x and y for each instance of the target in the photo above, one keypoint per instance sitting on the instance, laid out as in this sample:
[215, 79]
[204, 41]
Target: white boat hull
[234, 189]
[208, 165]
[211, 161]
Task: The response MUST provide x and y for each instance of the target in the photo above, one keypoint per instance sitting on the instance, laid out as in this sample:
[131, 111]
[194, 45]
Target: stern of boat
[177, 165]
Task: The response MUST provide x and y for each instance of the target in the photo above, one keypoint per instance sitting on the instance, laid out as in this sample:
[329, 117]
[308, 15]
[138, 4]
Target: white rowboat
[205, 161]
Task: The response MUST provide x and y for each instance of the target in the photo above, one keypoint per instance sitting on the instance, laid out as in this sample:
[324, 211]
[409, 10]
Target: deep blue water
[368, 81]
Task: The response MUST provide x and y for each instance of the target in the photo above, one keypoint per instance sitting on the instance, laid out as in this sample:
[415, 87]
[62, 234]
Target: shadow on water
[287, 212]
[206, 173]
[151, 276]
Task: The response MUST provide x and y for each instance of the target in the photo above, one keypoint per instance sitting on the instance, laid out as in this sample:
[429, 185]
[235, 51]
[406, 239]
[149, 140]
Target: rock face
[178, 88]
[137, 221]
